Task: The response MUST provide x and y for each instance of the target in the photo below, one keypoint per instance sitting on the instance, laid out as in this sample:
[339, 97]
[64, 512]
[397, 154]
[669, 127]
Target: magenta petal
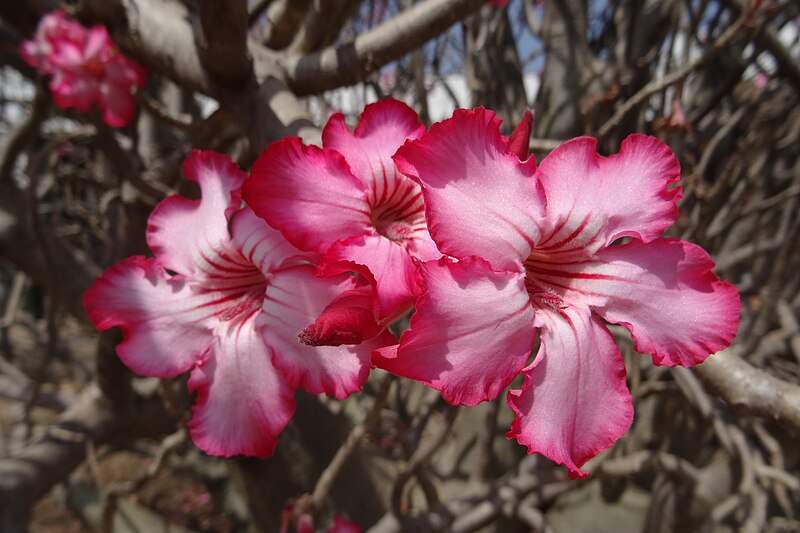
[594, 200]
[479, 198]
[519, 142]
[242, 402]
[308, 193]
[295, 298]
[383, 127]
[116, 103]
[390, 267]
[166, 328]
[348, 319]
[574, 402]
[182, 232]
[665, 293]
[471, 334]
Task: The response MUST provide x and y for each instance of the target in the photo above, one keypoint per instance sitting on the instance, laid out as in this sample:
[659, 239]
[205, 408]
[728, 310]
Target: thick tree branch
[347, 64]
[33, 470]
[750, 390]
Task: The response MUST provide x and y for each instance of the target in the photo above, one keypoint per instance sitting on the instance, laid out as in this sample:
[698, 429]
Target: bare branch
[750, 390]
[223, 44]
[347, 64]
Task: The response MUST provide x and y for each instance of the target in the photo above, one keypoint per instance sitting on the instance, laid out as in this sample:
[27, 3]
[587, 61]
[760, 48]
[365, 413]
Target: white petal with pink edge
[594, 200]
[242, 402]
[479, 198]
[180, 231]
[264, 246]
[574, 402]
[666, 295]
[383, 127]
[471, 334]
[167, 328]
[295, 298]
[308, 193]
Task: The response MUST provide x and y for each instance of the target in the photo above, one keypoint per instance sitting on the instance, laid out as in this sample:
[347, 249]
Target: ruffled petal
[422, 247]
[666, 295]
[479, 198]
[116, 103]
[594, 200]
[74, 91]
[471, 334]
[243, 402]
[166, 327]
[389, 266]
[308, 193]
[574, 402]
[181, 232]
[384, 126]
[295, 298]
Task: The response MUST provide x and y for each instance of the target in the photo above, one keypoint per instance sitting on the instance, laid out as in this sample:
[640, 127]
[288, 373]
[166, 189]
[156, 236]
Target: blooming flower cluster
[86, 70]
[512, 269]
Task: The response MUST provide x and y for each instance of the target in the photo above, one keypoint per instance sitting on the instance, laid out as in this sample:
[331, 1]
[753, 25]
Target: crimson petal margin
[242, 402]
[383, 127]
[308, 193]
[180, 231]
[594, 200]
[471, 334]
[574, 402]
[166, 328]
[479, 198]
[666, 295]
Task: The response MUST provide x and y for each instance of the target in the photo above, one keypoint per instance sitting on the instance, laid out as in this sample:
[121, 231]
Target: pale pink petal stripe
[166, 327]
[242, 402]
[295, 298]
[574, 402]
[181, 231]
[665, 293]
[594, 200]
[264, 246]
[308, 193]
[471, 334]
[479, 198]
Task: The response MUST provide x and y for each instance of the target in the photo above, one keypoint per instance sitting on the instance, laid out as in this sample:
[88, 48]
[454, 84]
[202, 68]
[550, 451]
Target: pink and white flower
[225, 299]
[537, 250]
[86, 68]
[348, 202]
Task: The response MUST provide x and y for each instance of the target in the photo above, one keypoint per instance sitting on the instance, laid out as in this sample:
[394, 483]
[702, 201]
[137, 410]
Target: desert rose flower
[225, 298]
[86, 69]
[348, 202]
[539, 250]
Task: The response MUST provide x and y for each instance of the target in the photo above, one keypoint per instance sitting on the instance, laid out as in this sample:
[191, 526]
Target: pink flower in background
[225, 298]
[86, 68]
[538, 249]
[348, 202]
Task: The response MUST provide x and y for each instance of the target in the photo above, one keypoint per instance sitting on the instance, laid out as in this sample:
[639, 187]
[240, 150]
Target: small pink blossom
[85, 67]
[224, 299]
[536, 249]
[348, 202]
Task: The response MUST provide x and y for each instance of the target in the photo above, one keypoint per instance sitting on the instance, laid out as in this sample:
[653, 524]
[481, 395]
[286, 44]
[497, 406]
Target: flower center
[541, 282]
[246, 305]
[398, 214]
[236, 288]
